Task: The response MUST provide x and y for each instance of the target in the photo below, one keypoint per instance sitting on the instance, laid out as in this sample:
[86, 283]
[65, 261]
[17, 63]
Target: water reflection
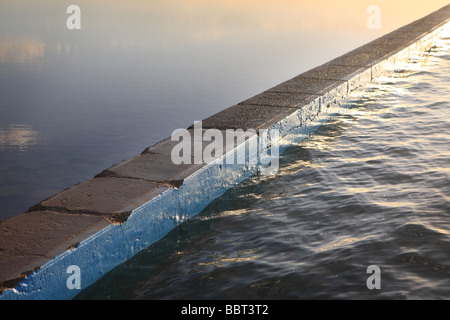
[163, 24]
[18, 137]
[21, 50]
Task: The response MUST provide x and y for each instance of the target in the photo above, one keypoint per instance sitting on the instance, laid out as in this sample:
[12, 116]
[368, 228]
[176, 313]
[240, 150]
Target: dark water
[372, 187]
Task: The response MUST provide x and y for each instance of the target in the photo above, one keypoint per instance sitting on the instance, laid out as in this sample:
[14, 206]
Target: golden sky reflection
[21, 50]
[306, 15]
[38, 27]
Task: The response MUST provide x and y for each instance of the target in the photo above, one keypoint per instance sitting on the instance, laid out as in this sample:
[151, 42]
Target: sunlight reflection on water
[18, 137]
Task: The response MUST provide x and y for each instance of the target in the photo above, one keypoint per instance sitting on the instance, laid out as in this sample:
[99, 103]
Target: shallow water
[371, 187]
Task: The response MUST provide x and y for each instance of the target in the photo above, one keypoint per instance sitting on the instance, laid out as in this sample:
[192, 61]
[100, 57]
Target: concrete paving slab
[307, 86]
[359, 58]
[285, 97]
[30, 240]
[199, 135]
[247, 117]
[154, 167]
[388, 46]
[332, 72]
[111, 197]
[388, 41]
[156, 163]
[432, 22]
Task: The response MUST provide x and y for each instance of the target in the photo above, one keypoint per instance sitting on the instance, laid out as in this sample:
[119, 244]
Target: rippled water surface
[372, 187]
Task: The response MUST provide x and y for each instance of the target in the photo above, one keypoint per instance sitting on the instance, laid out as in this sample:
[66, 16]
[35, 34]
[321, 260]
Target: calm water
[73, 103]
[372, 187]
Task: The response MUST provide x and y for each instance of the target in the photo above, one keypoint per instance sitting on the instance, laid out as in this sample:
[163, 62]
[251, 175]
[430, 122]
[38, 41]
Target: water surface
[73, 103]
[371, 187]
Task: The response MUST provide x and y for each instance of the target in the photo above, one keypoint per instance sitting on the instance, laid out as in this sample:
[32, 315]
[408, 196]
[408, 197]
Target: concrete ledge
[100, 223]
[110, 197]
[246, 117]
[30, 240]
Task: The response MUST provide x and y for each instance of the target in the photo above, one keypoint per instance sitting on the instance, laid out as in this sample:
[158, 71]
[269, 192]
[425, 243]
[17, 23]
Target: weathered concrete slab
[411, 32]
[196, 134]
[200, 139]
[156, 163]
[307, 86]
[382, 48]
[359, 58]
[287, 98]
[427, 23]
[337, 79]
[247, 117]
[155, 167]
[390, 42]
[332, 72]
[110, 197]
[30, 240]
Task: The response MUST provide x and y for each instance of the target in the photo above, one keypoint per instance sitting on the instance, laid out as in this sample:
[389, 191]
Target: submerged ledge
[104, 221]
